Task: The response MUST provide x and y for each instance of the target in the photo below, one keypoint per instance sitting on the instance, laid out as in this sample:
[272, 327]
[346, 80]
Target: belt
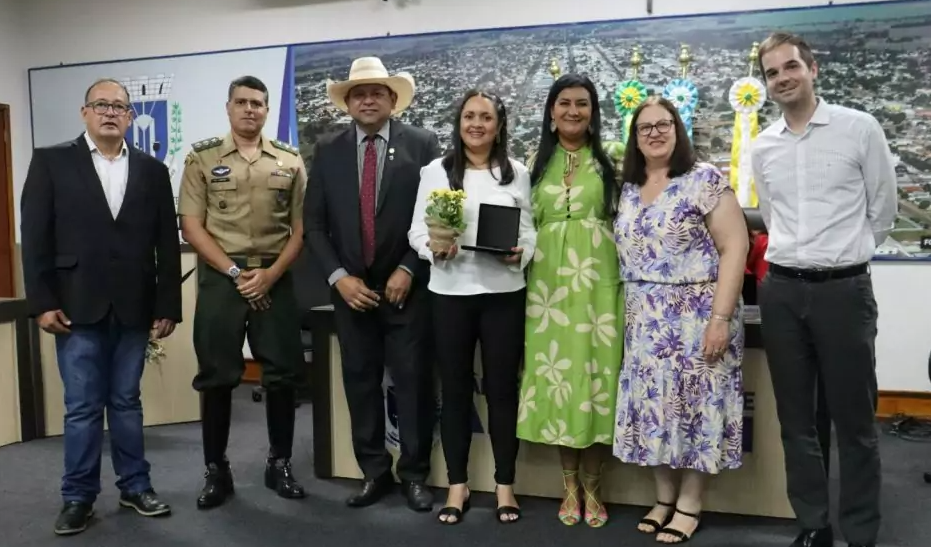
[254, 261]
[819, 275]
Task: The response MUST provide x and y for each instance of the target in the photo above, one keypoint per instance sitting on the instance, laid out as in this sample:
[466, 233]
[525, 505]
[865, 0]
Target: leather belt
[819, 275]
[253, 261]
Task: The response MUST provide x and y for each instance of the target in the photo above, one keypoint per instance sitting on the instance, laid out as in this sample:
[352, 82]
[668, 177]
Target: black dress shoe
[823, 537]
[73, 518]
[145, 503]
[280, 478]
[372, 491]
[419, 497]
[218, 486]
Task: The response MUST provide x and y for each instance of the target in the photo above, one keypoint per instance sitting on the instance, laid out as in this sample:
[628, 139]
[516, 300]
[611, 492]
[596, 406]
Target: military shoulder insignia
[207, 144]
[286, 147]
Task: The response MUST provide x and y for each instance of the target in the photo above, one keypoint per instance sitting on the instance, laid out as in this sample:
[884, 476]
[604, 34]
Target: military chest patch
[220, 171]
[281, 173]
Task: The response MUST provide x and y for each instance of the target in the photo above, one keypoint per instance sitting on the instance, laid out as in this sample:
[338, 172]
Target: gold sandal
[599, 517]
[570, 517]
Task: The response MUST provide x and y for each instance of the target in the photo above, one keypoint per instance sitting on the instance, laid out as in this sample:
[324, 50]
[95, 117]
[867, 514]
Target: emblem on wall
[156, 125]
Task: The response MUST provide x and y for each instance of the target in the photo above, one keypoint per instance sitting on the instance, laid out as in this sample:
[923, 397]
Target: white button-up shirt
[113, 174]
[827, 195]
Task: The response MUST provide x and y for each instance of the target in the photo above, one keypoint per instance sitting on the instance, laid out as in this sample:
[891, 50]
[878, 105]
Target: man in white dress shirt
[827, 187]
[102, 273]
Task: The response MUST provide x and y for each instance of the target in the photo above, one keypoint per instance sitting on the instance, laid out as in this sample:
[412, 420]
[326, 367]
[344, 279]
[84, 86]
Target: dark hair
[455, 160]
[777, 39]
[250, 82]
[87, 94]
[683, 155]
[549, 139]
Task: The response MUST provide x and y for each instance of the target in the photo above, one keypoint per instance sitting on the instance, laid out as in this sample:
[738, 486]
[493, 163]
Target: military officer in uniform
[241, 204]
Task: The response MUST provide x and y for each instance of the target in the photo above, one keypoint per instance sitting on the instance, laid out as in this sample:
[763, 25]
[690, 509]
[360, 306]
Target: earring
[552, 126]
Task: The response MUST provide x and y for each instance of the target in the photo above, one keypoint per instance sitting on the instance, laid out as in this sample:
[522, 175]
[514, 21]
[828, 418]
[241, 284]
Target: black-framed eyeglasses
[662, 126]
[100, 108]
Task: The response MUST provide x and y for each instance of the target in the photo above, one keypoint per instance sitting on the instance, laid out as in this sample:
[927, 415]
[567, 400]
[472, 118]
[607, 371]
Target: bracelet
[720, 317]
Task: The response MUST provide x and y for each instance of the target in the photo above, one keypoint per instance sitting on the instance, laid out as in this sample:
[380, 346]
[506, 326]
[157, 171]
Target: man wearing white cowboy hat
[358, 208]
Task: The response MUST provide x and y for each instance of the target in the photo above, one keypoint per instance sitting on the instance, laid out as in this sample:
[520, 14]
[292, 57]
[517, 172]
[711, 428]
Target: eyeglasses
[100, 108]
[662, 126]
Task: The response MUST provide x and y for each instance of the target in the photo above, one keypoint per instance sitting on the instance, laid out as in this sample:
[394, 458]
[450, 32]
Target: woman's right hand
[448, 255]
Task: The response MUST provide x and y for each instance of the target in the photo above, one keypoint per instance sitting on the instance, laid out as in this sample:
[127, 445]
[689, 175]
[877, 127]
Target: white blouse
[471, 272]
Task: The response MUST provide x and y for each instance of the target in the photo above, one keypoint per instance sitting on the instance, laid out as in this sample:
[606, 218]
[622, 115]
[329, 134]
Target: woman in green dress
[575, 305]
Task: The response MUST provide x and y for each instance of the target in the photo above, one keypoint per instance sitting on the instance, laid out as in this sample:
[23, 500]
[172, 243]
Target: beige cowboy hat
[370, 70]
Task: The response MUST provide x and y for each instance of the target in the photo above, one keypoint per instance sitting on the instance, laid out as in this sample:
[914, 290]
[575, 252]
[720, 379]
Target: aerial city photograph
[872, 58]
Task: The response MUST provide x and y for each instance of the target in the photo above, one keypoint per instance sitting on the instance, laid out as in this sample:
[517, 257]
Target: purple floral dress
[673, 408]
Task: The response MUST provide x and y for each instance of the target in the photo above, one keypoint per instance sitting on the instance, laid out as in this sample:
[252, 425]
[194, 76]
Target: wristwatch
[234, 272]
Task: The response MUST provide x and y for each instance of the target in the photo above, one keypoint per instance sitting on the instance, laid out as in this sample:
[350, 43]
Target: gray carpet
[29, 501]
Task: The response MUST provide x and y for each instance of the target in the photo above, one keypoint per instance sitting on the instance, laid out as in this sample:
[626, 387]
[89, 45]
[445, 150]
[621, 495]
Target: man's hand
[258, 302]
[162, 328]
[254, 284]
[356, 294]
[399, 284]
[54, 322]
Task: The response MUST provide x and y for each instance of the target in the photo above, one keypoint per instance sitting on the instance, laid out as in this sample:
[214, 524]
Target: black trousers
[826, 329]
[398, 338]
[496, 322]
[222, 321]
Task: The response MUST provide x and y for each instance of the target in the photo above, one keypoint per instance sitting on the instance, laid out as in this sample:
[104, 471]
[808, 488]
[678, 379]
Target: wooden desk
[167, 395]
[21, 408]
[758, 488]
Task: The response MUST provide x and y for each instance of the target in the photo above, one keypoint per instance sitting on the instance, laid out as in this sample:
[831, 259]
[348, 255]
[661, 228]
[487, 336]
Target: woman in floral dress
[574, 300]
[682, 242]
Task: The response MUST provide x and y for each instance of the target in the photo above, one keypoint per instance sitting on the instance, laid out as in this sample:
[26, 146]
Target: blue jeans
[101, 366]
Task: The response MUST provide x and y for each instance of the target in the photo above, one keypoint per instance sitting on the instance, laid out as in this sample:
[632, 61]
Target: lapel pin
[280, 163]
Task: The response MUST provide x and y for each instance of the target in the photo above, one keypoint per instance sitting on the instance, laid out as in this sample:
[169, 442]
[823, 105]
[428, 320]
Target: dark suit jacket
[78, 258]
[332, 223]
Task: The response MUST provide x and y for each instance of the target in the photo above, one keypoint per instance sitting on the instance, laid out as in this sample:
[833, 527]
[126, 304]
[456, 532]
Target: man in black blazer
[360, 199]
[102, 272]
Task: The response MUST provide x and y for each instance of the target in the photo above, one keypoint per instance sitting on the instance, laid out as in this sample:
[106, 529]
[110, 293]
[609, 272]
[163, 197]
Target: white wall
[167, 27]
[14, 90]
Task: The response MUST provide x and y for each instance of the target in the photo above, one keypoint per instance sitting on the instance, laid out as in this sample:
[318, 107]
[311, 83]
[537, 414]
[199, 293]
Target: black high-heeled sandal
[455, 512]
[656, 525]
[681, 537]
[507, 514]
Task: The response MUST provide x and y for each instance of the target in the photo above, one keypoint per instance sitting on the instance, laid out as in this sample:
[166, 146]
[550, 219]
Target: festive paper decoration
[629, 94]
[682, 92]
[746, 97]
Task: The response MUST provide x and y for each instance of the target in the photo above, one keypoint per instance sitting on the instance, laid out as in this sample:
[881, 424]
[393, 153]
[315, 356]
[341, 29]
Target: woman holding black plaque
[478, 292]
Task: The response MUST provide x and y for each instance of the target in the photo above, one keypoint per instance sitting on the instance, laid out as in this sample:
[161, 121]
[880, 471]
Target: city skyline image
[872, 57]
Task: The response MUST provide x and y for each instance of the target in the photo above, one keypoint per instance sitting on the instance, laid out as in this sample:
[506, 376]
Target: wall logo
[156, 125]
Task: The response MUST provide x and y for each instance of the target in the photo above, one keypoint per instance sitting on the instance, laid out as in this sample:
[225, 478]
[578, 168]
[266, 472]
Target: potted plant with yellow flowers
[444, 218]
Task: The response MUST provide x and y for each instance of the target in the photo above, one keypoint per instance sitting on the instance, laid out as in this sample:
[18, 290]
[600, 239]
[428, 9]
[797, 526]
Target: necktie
[367, 200]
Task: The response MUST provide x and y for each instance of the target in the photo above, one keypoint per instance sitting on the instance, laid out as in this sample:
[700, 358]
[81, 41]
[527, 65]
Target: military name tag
[221, 179]
[220, 171]
[281, 173]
